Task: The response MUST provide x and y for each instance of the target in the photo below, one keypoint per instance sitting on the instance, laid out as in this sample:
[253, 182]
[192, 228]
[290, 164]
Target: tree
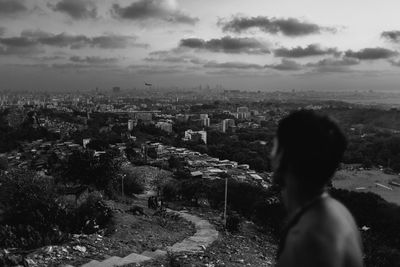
[88, 169]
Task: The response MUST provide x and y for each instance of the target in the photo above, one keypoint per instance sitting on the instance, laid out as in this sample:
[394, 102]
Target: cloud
[10, 7]
[334, 65]
[371, 53]
[310, 50]
[18, 46]
[395, 63]
[93, 60]
[286, 65]
[156, 69]
[289, 27]
[227, 44]
[30, 42]
[232, 65]
[393, 36]
[173, 56]
[77, 9]
[109, 41]
[165, 10]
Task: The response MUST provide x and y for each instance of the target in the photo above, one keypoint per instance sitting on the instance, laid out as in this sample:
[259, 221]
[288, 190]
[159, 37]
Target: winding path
[205, 235]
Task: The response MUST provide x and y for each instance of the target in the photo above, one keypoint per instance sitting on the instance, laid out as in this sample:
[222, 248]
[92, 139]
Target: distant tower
[130, 125]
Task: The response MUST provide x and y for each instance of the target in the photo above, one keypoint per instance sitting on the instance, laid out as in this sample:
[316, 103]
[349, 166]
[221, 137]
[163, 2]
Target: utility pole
[122, 184]
[226, 199]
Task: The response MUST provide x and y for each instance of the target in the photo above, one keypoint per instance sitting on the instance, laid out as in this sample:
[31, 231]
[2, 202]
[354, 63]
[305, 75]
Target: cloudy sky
[239, 44]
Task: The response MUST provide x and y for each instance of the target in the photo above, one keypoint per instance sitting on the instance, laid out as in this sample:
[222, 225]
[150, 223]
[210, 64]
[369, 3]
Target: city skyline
[248, 45]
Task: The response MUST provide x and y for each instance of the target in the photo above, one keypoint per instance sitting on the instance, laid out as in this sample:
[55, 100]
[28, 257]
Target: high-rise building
[203, 116]
[130, 125]
[226, 124]
[206, 122]
[243, 113]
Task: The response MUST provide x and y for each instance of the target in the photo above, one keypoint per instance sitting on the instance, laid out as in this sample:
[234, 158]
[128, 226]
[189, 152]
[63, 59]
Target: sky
[262, 45]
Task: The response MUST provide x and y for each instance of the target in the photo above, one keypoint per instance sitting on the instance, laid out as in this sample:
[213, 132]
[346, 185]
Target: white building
[165, 126]
[191, 135]
[130, 125]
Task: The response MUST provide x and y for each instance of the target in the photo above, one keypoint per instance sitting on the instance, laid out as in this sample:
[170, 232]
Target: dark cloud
[33, 41]
[232, 65]
[80, 41]
[334, 65]
[346, 61]
[371, 53]
[153, 9]
[289, 26]
[227, 44]
[310, 50]
[393, 36]
[77, 9]
[9, 7]
[18, 46]
[93, 60]
[286, 65]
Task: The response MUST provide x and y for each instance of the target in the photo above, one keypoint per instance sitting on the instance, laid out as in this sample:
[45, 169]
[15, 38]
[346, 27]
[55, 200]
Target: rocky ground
[248, 247]
[131, 233]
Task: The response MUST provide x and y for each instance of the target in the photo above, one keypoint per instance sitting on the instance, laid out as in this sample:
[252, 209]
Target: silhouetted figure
[320, 231]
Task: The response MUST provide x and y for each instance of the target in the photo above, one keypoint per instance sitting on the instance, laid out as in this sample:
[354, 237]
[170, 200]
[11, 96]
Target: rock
[80, 248]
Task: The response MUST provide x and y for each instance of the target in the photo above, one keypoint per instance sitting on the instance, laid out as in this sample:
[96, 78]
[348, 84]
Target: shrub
[170, 190]
[133, 184]
[233, 222]
[34, 216]
[91, 215]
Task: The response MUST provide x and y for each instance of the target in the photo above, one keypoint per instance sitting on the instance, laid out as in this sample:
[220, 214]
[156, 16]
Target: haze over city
[247, 45]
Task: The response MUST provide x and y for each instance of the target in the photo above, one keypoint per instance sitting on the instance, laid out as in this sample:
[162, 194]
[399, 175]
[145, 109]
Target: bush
[233, 222]
[170, 190]
[34, 216]
[133, 184]
[91, 215]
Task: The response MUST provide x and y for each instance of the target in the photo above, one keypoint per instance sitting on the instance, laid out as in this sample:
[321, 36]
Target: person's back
[325, 235]
[320, 231]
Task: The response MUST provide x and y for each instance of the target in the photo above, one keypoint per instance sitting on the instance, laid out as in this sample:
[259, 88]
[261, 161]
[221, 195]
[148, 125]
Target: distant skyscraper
[206, 122]
[226, 124]
[130, 125]
[203, 116]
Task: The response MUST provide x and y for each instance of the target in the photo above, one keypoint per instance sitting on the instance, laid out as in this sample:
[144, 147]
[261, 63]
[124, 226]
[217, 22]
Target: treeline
[380, 149]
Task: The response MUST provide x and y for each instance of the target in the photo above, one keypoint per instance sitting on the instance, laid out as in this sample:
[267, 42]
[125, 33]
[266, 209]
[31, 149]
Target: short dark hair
[312, 145]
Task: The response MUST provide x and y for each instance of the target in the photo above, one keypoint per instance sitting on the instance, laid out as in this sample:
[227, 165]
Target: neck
[295, 198]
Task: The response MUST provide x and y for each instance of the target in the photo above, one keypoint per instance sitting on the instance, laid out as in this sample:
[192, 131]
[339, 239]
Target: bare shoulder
[326, 235]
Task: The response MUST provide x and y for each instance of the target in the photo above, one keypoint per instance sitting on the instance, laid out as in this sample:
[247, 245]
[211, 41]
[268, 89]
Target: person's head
[308, 147]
